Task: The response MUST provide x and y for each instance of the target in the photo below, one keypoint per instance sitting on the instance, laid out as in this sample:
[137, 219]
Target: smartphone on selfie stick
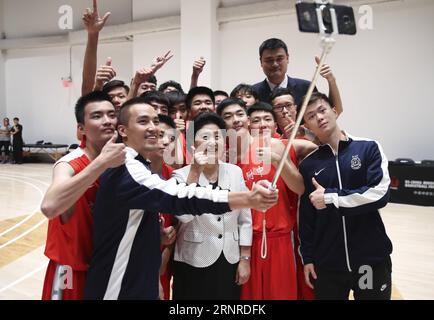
[323, 16]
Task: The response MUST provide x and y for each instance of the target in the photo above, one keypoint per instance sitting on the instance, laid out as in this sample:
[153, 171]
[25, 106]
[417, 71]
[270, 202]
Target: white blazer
[201, 239]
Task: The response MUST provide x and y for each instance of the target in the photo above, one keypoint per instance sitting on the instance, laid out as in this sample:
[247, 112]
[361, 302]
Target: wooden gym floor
[22, 262]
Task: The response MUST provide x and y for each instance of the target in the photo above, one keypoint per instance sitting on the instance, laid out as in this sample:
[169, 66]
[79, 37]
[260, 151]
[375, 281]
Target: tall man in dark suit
[273, 54]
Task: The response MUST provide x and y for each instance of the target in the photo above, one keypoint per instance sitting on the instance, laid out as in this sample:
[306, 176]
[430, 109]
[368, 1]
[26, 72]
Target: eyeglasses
[288, 106]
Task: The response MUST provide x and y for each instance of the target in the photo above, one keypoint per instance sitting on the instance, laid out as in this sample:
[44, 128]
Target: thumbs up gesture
[104, 74]
[112, 154]
[198, 66]
[317, 197]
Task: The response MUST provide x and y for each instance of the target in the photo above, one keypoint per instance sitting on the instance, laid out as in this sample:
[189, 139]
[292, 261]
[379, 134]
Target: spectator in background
[170, 86]
[17, 145]
[144, 80]
[199, 100]
[118, 92]
[148, 86]
[5, 140]
[177, 109]
[286, 110]
[220, 95]
[179, 113]
[274, 58]
[158, 100]
[246, 93]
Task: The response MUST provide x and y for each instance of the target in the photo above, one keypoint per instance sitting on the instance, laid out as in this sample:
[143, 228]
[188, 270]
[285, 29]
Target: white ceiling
[26, 18]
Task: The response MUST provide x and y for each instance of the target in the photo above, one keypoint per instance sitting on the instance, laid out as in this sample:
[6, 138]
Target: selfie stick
[327, 43]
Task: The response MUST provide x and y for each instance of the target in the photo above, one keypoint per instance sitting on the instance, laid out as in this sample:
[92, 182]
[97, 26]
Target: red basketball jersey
[70, 243]
[283, 216]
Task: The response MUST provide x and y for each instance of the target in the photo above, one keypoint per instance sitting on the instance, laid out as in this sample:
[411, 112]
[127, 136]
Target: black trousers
[4, 145]
[216, 282]
[367, 283]
[18, 151]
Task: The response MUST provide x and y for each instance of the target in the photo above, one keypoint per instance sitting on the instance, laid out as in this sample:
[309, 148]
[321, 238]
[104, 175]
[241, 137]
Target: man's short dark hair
[261, 106]
[170, 83]
[278, 91]
[17, 119]
[314, 98]
[208, 118]
[155, 96]
[175, 97]
[198, 90]
[94, 96]
[124, 113]
[318, 96]
[220, 93]
[167, 120]
[244, 88]
[152, 79]
[109, 86]
[228, 102]
[272, 44]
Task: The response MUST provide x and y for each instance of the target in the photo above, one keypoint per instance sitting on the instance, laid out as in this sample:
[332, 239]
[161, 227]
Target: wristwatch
[245, 257]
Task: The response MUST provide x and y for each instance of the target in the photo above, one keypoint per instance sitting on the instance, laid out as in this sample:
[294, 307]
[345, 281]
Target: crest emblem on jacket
[356, 163]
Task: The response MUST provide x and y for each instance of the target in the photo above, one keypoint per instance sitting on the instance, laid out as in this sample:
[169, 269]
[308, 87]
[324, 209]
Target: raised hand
[180, 123]
[326, 71]
[142, 75]
[104, 74]
[161, 61]
[317, 197]
[289, 127]
[113, 154]
[198, 66]
[92, 21]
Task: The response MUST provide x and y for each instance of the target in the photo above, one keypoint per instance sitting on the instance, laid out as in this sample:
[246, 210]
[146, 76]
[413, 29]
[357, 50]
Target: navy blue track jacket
[126, 233]
[349, 233]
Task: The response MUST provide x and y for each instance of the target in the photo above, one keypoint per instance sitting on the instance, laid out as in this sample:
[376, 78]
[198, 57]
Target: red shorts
[70, 286]
[275, 277]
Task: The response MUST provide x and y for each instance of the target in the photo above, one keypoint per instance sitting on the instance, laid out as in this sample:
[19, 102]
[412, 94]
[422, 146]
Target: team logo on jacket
[356, 163]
